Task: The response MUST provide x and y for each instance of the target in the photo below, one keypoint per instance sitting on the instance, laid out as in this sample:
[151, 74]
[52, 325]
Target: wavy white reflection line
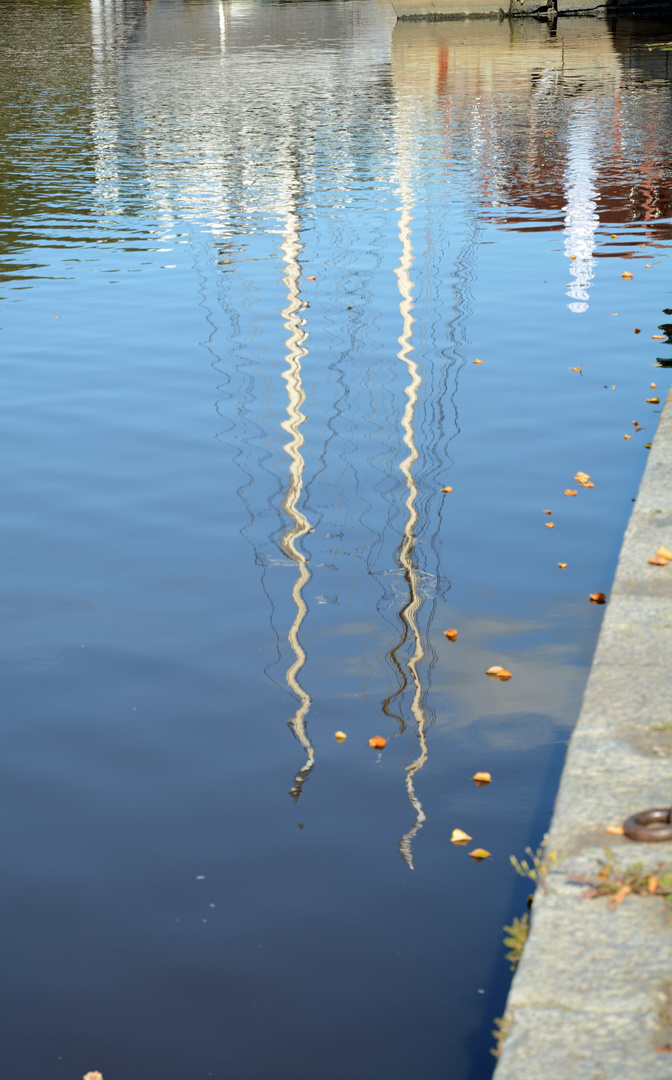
[410, 611]
[300, 526]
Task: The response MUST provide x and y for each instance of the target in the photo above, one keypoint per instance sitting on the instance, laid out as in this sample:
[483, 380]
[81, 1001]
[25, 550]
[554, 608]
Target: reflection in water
[581, 220]
[408, 614]
[299, 523]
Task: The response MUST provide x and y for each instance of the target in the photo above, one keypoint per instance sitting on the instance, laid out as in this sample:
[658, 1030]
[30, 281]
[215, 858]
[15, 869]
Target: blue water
[223, 531]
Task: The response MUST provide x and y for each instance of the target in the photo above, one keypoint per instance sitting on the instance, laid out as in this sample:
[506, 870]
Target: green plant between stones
[517, 934]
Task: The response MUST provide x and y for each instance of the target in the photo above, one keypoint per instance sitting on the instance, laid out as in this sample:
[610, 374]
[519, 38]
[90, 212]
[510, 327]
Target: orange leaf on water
[658, 337]
[581, 365]
[498, 672]
[340, 736]
[479, 853]
[549, 524]
[481, 778]
[568, 491]
[653, 401]
[312, 278]
[562, 565]
[377, 742]
[547, 511]
[450, 634]
[653, 385]
[637, 330]
[598, 598]
[478, 361]
[627, 436]
[93, 1076]
[460, 837]
[627, 274]
[446, 489]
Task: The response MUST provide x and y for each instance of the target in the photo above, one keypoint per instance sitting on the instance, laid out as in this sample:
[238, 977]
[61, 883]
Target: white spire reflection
[581, 219]
[300, 526]
[409, 612]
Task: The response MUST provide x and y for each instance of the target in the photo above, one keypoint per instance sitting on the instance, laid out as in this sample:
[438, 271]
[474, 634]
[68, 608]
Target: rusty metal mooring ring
[650, 825]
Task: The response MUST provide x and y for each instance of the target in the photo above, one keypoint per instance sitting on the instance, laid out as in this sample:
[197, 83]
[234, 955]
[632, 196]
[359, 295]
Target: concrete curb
[592, 996]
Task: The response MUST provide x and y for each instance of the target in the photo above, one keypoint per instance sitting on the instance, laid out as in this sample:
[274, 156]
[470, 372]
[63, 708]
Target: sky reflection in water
[224, 530]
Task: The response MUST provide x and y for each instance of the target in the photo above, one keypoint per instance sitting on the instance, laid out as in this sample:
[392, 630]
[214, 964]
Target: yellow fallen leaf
[450, 634]
[340, 736]
[498, 672]
[572, 257]
[582, 477]
[549, 524]
[568, 491]
[446, 489]
[460, 837]
[627, 436]
[598, 598]
[658, 337]
[664, 552]
[653, 385]
[478, 361]
[481, 778]
[653, 883]
[578, 368]
[658, 560]
[649, 265]
[479, 853]
[614, 236]
[93, 1076]
[377, 742]
[547, 511]
[312, 278]
[627, 274]
[653, 401]
[562, 565]
[620, 896]
[615, 830]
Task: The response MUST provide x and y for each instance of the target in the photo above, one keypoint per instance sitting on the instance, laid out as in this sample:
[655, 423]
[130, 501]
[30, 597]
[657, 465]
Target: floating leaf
[547, 511]
[459, 837]
[658, 560]
[582, 478]
[478, 361]
[614, 236]
[562, 565]
[378, 742]
[653, 401]
[340, 736]
[312, 278]
[479, 853]
[598, 598]
[498, 672]
[658, 337]
[450, 634]
[569, 491]
[481, 778]
[549, 524]
[572, 257]
[446, 489]
[653, 385]
[93, 1076]
[664, 552]
[579, 368]
[615, 830]
[627, 274]
[627, 436]
[637, 330]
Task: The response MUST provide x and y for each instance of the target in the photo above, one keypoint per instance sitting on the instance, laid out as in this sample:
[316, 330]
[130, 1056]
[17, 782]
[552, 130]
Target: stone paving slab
[592, 996]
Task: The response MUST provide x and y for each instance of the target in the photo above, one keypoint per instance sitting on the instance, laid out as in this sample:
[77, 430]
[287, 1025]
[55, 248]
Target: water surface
[249, 253]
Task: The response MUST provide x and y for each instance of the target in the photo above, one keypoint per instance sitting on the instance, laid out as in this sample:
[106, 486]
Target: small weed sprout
[616, 881]
[540, 865]
[517, 934]
[500, 1034]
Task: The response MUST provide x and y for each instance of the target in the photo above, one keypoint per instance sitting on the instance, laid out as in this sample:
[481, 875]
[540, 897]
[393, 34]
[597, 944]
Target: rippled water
[249, 253]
